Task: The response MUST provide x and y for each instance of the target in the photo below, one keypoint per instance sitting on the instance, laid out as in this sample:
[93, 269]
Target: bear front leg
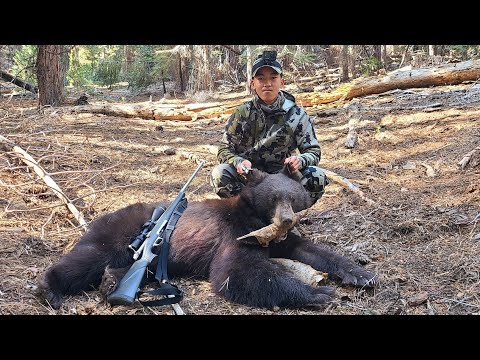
[326, 260]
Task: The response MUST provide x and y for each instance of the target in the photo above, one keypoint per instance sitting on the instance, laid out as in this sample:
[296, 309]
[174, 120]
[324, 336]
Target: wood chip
[418, 299]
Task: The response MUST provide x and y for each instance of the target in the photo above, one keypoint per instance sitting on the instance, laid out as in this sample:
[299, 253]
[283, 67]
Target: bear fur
[204, 244]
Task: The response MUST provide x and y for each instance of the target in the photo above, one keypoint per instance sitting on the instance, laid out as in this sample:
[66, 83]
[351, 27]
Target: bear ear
[255, 176]
[295, 175]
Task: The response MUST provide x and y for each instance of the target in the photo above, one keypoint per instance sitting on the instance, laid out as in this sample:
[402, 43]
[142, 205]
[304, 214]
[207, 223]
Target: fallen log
[148, 111]
[448, 74]
[14, 80]
[317, 98]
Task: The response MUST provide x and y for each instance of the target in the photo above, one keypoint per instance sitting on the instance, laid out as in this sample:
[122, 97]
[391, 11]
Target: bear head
[276, 197]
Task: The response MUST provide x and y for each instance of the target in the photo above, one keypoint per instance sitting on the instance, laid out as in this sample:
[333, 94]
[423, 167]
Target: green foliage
[79, 75]
[145, 69]
[80, 71]
[370, 65]
[107, 72]
[107, 63]
[24, 63]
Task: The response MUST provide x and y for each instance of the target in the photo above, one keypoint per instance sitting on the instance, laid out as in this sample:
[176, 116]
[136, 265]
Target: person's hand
[293, 163]
[244, 164]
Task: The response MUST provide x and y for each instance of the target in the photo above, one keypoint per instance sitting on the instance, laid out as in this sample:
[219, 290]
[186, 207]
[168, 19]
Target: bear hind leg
[79, 270]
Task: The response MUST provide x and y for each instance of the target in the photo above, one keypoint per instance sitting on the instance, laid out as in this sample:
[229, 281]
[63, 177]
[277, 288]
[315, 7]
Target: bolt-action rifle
[129, 286]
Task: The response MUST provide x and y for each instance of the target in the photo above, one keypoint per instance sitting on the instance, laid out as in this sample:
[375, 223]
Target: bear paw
[357, 276]
[54, 299]
[109, 282]
[322, 295]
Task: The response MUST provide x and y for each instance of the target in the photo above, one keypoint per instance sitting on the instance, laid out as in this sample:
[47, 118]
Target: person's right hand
[245, 163]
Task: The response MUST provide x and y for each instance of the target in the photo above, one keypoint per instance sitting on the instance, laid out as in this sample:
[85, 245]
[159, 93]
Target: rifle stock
[128, 287]
[126, 291]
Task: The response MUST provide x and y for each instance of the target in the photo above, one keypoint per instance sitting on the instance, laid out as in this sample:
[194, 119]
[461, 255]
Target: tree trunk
[180, 73]
[449, 74]
[128, 57]
[51, 74]
[344, 61]
[385, 56]
[207, 77]
[249, 69]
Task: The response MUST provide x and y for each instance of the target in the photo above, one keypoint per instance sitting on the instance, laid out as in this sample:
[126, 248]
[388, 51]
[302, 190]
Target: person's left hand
[293, 163]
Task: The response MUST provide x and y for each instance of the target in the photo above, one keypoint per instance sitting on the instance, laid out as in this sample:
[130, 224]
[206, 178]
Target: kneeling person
[267, 133]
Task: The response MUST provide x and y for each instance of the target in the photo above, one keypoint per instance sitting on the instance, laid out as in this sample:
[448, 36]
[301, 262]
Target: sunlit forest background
[189, 69]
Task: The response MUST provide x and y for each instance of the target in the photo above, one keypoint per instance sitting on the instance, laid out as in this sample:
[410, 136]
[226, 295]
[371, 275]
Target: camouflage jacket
[267, 135]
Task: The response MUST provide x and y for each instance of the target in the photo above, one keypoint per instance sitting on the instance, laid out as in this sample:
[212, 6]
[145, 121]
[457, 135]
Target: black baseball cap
[268, 58]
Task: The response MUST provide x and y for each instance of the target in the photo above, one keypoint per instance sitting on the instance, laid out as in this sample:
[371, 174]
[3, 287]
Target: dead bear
[205, 244]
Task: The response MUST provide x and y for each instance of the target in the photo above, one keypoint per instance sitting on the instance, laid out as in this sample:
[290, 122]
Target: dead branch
[14, 80]
[301, 271]
[346, 183]
[354, 119]
[467, 157]
[273, 231]
[27, 159]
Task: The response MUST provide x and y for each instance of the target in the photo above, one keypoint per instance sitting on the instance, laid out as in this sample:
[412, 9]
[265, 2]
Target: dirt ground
[422, 234]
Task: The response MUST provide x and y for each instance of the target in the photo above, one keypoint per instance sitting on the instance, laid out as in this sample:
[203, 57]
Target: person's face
[267, 83]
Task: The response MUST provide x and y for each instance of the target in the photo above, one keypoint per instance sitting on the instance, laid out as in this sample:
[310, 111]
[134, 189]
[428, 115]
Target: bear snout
[284, 215]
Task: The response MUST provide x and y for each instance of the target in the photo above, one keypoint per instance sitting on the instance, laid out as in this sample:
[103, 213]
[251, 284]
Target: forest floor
[422, 234]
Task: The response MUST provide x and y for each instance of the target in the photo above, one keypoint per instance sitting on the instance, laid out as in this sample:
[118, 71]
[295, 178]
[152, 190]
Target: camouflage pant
[226, 182]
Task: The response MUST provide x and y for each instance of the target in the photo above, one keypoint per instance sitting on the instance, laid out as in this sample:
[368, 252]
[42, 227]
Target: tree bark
[51, 68]
[14, 80]
[450, 74]
[344, 61]
[249, 69]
